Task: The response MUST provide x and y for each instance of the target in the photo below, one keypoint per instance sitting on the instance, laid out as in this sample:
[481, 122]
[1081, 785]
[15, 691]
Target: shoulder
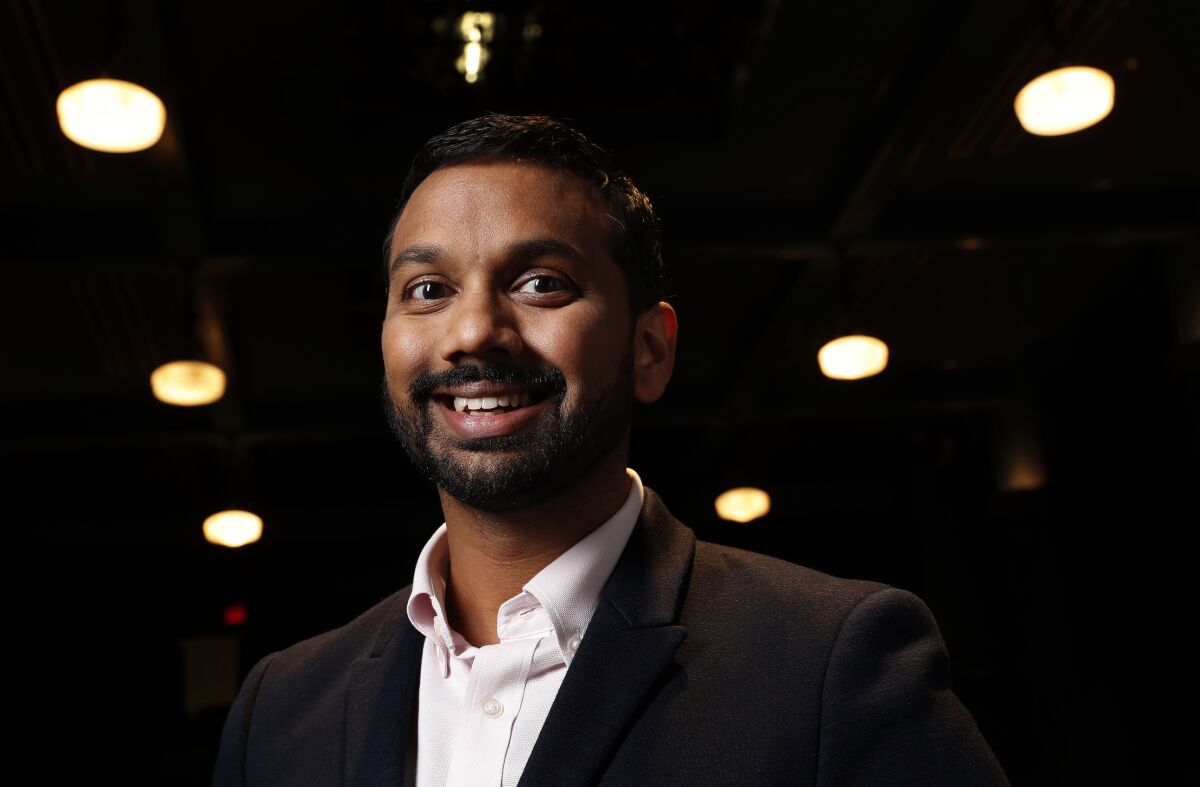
[760, 593]
[287, 716]
[731, 592]
[316, 658]
[774, 581]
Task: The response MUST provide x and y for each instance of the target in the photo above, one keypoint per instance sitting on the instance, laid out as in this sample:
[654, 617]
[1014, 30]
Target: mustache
[546, 378]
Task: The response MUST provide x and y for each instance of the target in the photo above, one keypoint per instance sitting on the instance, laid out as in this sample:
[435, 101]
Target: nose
[481, 324]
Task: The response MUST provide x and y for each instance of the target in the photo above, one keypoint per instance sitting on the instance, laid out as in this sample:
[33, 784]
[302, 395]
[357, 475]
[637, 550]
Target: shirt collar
[568, 588]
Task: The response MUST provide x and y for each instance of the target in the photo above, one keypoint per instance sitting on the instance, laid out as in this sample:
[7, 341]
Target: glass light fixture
[111, 115]
[743, 504]
[233, 528]
[1065, 100]
[188, 383]
[853, 357]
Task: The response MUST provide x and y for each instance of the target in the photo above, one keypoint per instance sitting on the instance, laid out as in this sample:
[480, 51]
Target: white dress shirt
[480, 709]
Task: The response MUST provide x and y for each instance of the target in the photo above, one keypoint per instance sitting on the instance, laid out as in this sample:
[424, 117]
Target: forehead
[493, 203]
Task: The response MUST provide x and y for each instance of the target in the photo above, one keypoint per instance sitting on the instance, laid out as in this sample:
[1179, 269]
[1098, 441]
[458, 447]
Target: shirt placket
[495, 692]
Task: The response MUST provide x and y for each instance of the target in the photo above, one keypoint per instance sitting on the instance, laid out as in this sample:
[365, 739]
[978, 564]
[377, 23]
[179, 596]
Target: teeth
[462, 404]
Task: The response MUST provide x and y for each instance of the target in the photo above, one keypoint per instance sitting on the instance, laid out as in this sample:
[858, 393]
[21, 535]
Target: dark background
[1028, 462]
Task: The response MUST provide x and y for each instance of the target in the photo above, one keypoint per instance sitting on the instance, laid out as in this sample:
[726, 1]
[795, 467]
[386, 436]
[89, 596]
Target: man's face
[507, 341]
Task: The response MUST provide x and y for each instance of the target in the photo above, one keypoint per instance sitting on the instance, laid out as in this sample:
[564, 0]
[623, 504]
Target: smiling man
[562, 628]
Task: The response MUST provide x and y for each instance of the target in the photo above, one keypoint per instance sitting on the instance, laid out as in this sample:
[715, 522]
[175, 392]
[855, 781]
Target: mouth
[490, 405]
[490, 409]
[488, 399]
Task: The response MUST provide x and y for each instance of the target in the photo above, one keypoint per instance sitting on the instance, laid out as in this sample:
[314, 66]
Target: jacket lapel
[381, 701]
[628, 644]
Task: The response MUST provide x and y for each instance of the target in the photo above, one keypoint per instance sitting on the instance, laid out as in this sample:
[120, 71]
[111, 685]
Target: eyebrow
[535, 248]
[417, 254]
[526, 250]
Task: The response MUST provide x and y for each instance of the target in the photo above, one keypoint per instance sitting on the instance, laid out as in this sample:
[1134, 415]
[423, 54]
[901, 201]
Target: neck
[493, 555]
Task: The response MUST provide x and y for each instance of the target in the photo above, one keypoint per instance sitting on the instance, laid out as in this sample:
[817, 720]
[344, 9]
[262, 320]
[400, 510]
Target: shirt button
[573, 643]
[492, 708]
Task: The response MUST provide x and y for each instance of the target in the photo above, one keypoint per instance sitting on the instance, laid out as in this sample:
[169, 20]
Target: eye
[428, 291]
[543, 285]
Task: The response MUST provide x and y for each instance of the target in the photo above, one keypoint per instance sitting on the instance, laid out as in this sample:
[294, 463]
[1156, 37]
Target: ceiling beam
[955, 52]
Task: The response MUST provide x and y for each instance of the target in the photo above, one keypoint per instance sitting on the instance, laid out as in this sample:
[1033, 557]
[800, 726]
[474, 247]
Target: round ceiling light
[188, 383]
[233, 528]
[853, 357]
[111, 115]
[743, 504]
[1065, 100]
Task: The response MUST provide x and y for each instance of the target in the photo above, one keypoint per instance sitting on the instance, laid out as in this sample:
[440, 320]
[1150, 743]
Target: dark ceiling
[815, 165]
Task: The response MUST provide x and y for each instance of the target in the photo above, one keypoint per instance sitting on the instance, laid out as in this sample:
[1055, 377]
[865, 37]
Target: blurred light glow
[233, 528]
[471, 62]
[853, 357]
[743, 504]
[1019, 463]
[111, 115]
[188, 383]
[235, 615]
[1065, 100]
[476, 28]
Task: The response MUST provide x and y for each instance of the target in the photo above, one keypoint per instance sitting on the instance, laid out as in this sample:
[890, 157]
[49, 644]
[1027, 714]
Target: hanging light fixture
[193, 374]
[852, 354]
[111, 115]
[236, 524]
[233, 528]
[188, 383]
[853, 357]
[743, 504]
[1065, 100]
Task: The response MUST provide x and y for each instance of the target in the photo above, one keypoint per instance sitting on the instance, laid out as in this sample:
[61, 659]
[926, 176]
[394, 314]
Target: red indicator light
[235, 614]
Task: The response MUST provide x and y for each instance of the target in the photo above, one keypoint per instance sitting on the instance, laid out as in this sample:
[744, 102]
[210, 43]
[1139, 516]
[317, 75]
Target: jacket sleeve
[888, 714]
[230, 770]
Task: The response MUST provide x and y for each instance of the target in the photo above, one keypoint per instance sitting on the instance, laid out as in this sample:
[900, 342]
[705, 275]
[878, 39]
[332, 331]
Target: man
[562, 628]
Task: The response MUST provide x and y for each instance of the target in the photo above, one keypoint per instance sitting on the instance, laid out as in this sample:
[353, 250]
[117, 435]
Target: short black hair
[542, 140]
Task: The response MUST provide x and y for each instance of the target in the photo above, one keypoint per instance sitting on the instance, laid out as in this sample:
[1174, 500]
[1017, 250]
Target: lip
[466, 425]
[480, 389]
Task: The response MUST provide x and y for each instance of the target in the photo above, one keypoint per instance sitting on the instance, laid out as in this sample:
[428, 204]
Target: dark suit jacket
[701, 665]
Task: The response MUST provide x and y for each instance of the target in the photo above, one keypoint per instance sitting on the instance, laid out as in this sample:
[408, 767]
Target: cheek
[403, 349]
[585, 346]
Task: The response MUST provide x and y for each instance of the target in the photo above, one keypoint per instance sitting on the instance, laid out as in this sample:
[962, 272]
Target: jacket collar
[630, 642]
[381, 702]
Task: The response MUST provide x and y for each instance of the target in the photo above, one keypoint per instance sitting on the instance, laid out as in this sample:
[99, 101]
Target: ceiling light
[188, 383]
[233, 528]
[111, 115]
[743, 504]
[1064, 101]
[853, 357]
[476, 29]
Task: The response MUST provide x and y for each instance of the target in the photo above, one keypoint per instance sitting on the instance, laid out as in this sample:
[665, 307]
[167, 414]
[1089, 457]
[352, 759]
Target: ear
[654, 338]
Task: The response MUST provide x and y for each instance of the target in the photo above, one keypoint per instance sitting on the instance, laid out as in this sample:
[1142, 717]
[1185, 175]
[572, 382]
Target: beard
[562, 447]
